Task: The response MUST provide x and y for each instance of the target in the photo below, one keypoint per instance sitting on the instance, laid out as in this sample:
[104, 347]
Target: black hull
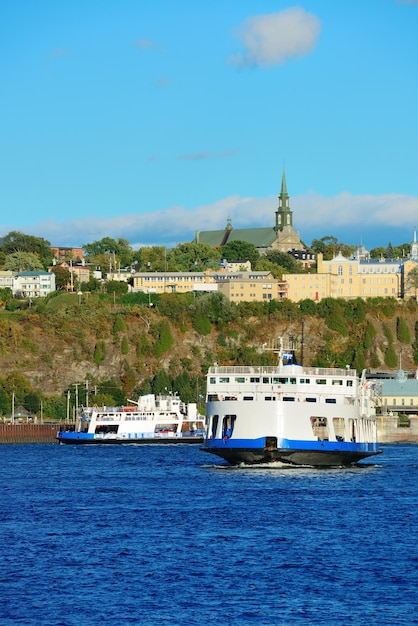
[332, 458]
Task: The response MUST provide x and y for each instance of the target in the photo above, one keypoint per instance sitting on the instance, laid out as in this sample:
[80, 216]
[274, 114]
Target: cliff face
[62, 345]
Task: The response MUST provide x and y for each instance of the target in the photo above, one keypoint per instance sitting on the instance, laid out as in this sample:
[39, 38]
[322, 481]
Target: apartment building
[352, 278]
[251, 287]
[35, 284]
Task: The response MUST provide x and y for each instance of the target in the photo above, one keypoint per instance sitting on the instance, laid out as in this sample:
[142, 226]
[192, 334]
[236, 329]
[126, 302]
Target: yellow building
[236, 286]
[251, 286]
[352, 278]
[169, 282]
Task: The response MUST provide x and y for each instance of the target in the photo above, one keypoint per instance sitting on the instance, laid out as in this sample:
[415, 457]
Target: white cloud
[346, 216]
[275, 38]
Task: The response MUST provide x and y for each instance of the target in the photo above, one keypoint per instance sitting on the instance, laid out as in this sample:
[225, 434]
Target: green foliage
[119, 253]
[142, 345]
[369, 335]
[332, 311]
[116, 287]
[55, 407]
[240, 251]
[164, 338]
[22, 262]
[391, 358]
[415, 345]
[402, 330]
[359, 361]
[17, 242]
[308, 307]
[192, 257]
[388, 333]
[119, 325]
[374, 360]
[283, 260]
[62, 277]
[99, 352]
[124, 346]
[161, 383]
[202, 324]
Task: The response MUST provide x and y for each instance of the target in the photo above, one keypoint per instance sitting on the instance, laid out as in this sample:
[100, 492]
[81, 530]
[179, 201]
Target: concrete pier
[391, 430]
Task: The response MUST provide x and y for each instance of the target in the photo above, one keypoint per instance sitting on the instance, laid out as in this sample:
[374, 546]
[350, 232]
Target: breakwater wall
[30, 433]
[391, 430]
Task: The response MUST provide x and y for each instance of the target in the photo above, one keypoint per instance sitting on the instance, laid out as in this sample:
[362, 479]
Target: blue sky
[151, 119]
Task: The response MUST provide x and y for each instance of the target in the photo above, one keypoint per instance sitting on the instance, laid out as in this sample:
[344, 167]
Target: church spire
[284, 216]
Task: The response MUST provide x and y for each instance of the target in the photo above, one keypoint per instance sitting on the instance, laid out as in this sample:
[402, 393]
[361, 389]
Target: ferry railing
[271, 369]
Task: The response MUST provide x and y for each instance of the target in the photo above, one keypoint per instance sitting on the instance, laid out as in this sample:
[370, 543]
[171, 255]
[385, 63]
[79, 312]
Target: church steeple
[284, 216]
[414, 247]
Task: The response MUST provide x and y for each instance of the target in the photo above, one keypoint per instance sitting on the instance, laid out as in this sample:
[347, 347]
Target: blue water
[165, 535]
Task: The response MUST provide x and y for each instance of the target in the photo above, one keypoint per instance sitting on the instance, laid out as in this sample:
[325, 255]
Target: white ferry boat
[153, 419]
[290, 414]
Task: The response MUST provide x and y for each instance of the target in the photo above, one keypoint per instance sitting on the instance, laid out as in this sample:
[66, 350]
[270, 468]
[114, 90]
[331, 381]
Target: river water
[109, 535]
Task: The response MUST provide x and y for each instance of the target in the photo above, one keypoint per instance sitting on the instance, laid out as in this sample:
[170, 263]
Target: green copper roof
[259, 237]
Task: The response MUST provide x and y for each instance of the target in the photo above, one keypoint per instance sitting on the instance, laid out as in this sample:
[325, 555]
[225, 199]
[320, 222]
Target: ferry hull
[75, 438]
[291, 456]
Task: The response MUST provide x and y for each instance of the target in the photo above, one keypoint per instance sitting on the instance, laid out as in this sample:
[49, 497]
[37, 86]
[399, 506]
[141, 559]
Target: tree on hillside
[15, 242]
[240, 251]
[112, 253]
[330, 247]
[264, 265]
[378, 253]
[62, 277]
[197, 257]
[402, 331]
[22, 262]
[412, 281]
[285, 260]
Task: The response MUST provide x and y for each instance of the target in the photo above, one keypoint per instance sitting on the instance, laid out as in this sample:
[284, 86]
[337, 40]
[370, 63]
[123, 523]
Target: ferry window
[212, 380]
[283, 381]
[293, 381]
[330, 400]
[337, 382]
[266, 379]
[248, 398]
[228, 423]
[310, 399]
[241, 379]
[215, 420]
[305, 381]
[349, 383]
[224, 380]
[288, 399]
[321, 381]
[276, 381]
[272, 398]
[254, 379]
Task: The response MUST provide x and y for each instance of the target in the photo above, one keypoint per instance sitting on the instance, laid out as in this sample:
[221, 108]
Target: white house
[35, 284]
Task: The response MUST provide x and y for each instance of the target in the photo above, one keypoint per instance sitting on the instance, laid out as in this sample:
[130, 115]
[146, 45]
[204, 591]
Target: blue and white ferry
[290, 414]
[152, 419]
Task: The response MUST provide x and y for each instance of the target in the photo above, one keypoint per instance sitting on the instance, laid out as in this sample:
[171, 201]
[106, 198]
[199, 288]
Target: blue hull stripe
[291, 444]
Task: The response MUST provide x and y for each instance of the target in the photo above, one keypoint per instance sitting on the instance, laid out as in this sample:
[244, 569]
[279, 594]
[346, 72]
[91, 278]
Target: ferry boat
[290, 414]
[153, 419]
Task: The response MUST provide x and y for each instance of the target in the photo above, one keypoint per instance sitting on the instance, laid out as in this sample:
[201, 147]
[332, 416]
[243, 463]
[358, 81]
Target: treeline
[19, 251]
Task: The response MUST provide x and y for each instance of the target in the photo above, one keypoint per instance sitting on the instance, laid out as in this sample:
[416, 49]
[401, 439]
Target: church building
[281, 237]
